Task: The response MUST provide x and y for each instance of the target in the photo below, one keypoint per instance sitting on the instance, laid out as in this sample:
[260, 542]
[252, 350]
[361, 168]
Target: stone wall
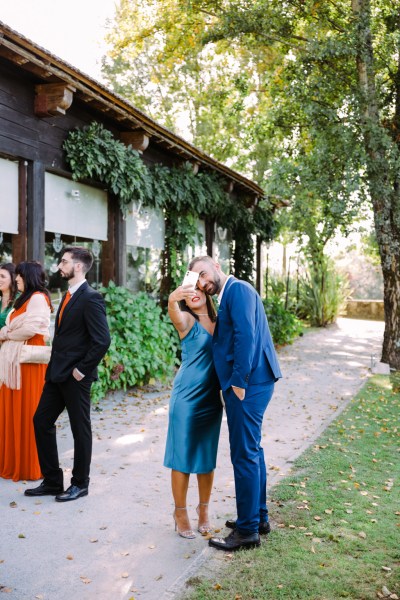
[365, 309]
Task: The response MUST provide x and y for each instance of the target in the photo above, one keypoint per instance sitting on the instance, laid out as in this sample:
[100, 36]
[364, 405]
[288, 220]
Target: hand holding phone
[190, 278]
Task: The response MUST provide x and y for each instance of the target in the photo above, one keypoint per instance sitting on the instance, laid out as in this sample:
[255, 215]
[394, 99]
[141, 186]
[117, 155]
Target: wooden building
[42, 208]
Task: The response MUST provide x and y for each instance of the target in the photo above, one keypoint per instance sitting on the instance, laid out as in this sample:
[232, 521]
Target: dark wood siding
[23, 135]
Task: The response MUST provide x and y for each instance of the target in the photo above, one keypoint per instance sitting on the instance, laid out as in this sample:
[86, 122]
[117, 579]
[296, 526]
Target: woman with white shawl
[21, 384]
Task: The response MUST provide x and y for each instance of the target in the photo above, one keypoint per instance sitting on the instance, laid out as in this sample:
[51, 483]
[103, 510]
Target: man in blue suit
[247, 367]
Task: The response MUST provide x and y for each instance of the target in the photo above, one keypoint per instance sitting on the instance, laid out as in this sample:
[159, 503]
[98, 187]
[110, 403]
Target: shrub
[143, 342]
[323, 295]
[284, 325]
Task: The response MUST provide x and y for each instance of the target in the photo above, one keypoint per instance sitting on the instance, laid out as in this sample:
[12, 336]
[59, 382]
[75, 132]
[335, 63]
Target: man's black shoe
[44, 489]
[72, 493]
[235, 541]
[263, 528]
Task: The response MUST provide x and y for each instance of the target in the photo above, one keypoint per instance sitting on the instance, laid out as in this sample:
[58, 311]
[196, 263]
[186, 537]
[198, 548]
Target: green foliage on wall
[143, 342]
[93, 153]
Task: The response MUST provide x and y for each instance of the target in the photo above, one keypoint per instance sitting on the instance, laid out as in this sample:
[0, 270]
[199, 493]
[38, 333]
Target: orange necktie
[66, 300]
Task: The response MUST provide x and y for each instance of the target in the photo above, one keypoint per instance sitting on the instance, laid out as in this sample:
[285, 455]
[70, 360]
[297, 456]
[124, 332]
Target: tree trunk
[166, 279]
[383, 182]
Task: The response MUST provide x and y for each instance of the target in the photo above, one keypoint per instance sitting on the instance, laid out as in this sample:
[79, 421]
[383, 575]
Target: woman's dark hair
[10, 268]
[34, 278]
[212, 313]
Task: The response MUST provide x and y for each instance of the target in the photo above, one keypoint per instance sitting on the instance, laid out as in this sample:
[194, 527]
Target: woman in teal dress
[8, 290]
[195, 410]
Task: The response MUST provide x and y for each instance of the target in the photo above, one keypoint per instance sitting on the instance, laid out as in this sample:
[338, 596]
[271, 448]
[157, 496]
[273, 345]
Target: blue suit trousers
[245, 419]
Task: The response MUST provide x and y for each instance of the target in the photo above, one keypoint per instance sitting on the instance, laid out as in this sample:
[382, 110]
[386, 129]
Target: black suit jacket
[82, 338]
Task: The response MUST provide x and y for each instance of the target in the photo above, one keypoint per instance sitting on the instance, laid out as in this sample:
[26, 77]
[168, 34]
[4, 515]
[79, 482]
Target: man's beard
[68, 276]
[215, 285]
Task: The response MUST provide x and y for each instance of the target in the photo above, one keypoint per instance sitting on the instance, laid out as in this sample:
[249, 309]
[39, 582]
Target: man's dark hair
[82, 255]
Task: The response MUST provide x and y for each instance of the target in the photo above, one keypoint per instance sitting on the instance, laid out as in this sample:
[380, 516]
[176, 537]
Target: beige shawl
[35, 320]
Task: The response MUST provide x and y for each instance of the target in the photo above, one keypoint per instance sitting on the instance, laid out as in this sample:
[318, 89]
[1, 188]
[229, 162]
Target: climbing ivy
[93, 153]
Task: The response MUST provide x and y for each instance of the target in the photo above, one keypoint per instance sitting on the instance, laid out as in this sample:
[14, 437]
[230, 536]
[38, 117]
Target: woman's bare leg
[180, 484]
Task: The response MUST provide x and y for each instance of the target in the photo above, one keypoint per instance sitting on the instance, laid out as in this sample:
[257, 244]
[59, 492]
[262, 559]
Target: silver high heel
[189, 534]
[206, 527]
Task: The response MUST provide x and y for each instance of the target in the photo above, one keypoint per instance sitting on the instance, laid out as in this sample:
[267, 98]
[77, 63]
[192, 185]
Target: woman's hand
[182, 292]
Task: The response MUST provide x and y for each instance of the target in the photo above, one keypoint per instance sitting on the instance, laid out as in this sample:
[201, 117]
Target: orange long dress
[18, 454]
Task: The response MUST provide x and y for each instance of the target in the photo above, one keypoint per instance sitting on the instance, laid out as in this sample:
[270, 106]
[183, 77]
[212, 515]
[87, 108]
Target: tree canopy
[301, 95]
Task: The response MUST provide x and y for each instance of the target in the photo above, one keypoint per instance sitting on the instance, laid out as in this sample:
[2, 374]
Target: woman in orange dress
[21, 384]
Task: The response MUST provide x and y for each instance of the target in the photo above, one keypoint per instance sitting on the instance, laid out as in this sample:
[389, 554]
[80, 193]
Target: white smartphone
[190, 278]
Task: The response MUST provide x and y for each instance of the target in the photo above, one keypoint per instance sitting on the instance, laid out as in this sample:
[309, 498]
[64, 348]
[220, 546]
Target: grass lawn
[335, 519]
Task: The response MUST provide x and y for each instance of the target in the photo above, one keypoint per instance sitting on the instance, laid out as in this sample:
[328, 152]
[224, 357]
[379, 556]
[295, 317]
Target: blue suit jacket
[243, 349]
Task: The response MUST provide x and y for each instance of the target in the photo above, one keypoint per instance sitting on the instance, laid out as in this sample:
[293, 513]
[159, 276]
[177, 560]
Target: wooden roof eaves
[93, 90]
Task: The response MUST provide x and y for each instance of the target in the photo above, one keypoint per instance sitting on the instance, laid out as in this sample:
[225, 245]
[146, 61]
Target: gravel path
[119, 542]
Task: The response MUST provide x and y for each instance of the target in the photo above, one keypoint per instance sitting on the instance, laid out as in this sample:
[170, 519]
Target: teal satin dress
[195, 409]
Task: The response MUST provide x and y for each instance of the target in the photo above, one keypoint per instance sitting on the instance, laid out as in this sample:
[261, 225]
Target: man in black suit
[81, 339]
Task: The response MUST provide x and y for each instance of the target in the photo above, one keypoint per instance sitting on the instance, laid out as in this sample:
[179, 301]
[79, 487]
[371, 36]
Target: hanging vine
[94, 153]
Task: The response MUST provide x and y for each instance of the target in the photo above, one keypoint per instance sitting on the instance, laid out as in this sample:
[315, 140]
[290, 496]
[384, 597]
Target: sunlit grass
[336, 519]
